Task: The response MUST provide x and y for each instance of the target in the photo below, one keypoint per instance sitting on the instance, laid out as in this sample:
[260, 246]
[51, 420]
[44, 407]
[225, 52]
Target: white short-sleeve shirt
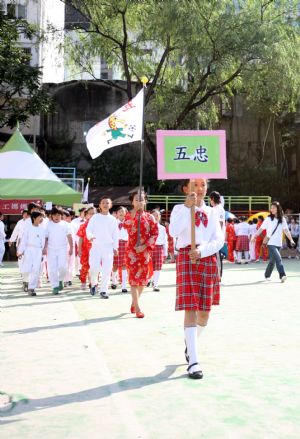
[269, 226]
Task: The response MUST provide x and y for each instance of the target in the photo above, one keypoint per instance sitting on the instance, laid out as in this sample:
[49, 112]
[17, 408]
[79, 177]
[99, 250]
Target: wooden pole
[141, 161]
[193, 230]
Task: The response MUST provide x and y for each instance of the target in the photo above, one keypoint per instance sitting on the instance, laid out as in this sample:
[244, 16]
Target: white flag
[85, 196]
[125, 125]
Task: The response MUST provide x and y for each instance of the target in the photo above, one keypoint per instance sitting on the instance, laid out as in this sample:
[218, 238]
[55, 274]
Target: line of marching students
[97, 247]
[239, 234]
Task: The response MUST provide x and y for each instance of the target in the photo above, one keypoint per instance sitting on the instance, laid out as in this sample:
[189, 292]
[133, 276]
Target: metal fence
[235, 203]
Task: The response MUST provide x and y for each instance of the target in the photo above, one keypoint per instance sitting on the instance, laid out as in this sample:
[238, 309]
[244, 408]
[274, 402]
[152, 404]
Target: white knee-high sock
[114, 278]
[156, 275]
[247, 256]
[239, 256]
[200, 330]
[191, 344]
[124, 279]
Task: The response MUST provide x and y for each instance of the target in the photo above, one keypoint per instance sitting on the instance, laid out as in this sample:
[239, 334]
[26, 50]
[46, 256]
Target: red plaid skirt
[158, 257]
[242, 243]
[120, 260]
[197, 285]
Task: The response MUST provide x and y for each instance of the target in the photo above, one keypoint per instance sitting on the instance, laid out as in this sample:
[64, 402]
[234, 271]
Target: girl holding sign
[197, 277]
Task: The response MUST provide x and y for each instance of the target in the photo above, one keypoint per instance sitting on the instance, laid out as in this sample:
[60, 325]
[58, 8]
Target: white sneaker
[267, 279]
[283, 279]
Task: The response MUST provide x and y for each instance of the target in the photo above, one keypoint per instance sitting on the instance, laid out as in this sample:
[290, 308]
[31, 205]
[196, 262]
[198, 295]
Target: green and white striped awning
[24, 175]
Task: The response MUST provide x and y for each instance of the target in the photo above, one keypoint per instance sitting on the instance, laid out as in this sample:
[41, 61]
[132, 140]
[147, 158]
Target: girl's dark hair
[215, 196]
[279, 215]
[56, 211]
[31, 206]
[35, 215]
[121, 208]
[133, 194]
[254, 220]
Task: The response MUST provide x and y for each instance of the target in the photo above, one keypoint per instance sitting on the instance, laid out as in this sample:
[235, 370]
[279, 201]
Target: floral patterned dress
[138, 263]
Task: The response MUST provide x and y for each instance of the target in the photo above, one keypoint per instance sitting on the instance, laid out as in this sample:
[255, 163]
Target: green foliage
[196, 53]
[20, 91]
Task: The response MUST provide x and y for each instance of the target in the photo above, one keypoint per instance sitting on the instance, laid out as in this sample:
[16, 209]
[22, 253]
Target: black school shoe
[113, 286]
[124, 290]
[156, 289]
[195, 375]
[31, 293]
[93, 290]
[104, 295]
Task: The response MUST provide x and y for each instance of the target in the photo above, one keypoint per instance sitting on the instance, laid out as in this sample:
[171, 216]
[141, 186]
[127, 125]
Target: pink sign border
[163, 175]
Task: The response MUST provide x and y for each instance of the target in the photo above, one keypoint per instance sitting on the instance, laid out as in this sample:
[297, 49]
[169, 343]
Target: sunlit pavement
[90, 369]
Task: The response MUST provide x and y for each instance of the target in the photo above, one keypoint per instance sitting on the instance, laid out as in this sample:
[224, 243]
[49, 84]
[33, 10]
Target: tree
[196, 53]
[20, 92]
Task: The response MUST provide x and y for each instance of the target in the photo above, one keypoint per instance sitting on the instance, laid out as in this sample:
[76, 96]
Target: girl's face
[105, 205]
[37, 221]
[90, 213]
[139, 204]
[121, 215]
[212, 203]
[273, 209]
[200, 187]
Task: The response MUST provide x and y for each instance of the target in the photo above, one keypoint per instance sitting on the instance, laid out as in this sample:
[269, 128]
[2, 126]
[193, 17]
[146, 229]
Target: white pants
[70, 266]
[31, 266]
[240, 254]
[57, 265]
[2, 251]
[252, 251]
[101, 258]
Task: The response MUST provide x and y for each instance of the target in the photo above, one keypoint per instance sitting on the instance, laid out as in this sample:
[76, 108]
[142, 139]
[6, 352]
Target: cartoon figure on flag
[115, 130]
[125, 125]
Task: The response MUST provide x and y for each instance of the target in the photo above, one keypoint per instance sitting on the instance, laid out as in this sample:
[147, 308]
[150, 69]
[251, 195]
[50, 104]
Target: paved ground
[91, 370]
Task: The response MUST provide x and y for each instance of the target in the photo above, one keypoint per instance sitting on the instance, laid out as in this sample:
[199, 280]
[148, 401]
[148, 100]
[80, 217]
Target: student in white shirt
[102, 230]
[120, 258]
[160, 251]
[30, 250]
[70, 258]
[242, 232]
[58, 237]
[275, 225]
[216, 203]
[197, 276]
[2, 239]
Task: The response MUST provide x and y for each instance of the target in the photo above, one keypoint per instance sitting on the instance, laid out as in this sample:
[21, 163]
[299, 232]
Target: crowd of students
[131, 246]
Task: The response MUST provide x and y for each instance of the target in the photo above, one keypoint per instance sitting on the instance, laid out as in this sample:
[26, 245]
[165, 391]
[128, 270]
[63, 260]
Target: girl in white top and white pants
[30, 250]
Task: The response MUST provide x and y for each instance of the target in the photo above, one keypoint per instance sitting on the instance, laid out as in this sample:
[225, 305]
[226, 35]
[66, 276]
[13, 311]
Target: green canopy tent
[24, 175]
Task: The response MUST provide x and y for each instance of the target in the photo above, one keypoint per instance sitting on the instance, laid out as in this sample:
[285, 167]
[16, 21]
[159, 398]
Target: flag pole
[144, 81]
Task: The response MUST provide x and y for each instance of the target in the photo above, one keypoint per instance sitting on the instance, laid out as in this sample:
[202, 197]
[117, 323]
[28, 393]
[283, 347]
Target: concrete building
[47, 53]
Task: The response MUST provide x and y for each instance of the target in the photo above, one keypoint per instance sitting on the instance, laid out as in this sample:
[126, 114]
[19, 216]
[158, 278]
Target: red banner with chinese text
[15, 207]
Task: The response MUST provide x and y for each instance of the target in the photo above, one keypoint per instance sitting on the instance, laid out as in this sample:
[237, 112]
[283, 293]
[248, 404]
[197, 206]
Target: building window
[21, 11]
[11, 10]
[16, 11]
[27, 55]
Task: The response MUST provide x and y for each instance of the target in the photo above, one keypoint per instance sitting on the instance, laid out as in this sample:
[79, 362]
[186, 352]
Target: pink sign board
[191, 154]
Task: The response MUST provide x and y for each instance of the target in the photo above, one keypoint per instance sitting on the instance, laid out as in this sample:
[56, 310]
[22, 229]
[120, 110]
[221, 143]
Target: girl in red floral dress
[138, 253]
